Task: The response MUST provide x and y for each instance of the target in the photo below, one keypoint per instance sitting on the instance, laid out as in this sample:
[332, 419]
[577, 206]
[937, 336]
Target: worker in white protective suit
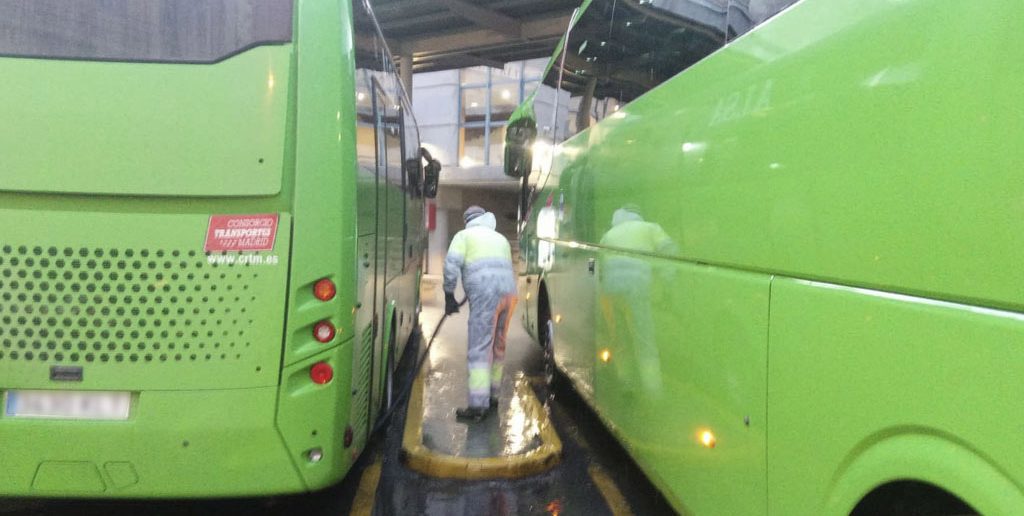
[483, 257]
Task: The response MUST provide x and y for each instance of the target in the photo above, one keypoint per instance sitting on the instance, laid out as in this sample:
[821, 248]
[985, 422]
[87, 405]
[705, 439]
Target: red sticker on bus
[241, 232]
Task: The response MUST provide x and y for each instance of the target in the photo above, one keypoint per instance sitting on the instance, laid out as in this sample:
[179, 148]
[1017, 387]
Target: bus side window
[618, 51]
[744, 15]
[412, 164]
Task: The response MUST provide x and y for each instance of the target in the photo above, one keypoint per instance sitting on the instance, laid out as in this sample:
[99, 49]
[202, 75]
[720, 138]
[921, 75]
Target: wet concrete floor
[584, 482]
[507, 431]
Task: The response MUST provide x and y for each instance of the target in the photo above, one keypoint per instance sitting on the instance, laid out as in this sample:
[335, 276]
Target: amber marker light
[707, 439]
[323, 331]
[324, 290]
[606, 356]
[321, 373]
[558, 319]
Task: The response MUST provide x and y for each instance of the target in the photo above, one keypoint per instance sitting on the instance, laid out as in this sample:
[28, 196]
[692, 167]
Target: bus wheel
[547, 347]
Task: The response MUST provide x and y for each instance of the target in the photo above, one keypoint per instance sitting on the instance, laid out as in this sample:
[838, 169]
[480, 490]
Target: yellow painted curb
[366, 494]
[612, 496]
[424, 460]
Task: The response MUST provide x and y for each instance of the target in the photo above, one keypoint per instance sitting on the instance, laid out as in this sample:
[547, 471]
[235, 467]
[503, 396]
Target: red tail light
[349, 435]
[323, 331]
[321, 373]
[324, 290]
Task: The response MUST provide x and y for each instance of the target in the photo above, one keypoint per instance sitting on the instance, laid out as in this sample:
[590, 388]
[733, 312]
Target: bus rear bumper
[207, 443]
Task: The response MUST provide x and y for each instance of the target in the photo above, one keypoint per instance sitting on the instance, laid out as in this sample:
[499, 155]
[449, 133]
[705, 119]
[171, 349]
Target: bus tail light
[349, 436]
[321, 373]
[323, 331]
[324, 290]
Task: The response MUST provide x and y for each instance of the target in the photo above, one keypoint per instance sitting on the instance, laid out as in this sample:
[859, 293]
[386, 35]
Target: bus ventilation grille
[361, 381]
[79, 305]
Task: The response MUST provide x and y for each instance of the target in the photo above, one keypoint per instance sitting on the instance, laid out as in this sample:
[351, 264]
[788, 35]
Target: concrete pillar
[583, 115]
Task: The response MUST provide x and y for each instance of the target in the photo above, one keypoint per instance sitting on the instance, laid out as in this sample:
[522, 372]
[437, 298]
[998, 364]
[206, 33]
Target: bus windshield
[157, 30]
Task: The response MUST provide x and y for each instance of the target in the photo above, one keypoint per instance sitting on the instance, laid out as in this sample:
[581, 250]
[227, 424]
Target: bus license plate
[68, 404]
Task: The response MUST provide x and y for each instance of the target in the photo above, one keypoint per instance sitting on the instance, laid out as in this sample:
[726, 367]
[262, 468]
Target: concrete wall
[452, 202]
[435, 100]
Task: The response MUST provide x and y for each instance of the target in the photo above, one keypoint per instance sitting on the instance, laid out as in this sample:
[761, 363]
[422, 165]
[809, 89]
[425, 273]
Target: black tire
[912, 498]
[547, 348]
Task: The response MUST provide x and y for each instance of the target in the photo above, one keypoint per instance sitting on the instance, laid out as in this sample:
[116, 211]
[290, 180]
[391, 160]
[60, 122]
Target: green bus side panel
[851, 142]
[394, 223]
[679, 350]
[133, 299]
[852, 370]
[406, 296]
[314, 416]
[573, 308]
[182, 130]
[177, 444]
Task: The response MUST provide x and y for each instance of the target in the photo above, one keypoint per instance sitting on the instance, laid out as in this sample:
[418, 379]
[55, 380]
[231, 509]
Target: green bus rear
[787, 277]
[179, 180]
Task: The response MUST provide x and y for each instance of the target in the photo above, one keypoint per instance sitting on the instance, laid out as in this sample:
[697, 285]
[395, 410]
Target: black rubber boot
[472, 414]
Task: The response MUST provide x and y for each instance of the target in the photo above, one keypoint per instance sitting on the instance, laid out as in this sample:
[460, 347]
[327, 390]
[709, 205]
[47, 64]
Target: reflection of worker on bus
[625, 294]
[483, 257]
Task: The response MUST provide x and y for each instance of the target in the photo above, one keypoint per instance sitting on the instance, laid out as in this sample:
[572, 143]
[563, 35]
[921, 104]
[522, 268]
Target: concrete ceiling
[446, 34]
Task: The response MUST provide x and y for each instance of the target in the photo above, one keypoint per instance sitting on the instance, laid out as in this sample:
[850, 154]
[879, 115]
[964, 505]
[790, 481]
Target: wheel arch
[932, 462]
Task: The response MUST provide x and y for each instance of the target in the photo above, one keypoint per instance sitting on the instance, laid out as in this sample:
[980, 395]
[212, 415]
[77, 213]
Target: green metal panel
[676, 350]
[324, 242]
[201, 442]
[210, 130]
[867, 386]
[854, 143]
[571, 289]
[362, 370]
[686, 354]
[404, 294]
[316, 416]
[134, 300]
[222, 414]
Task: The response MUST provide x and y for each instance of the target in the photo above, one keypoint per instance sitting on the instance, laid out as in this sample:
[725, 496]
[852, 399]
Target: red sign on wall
[431, 216]
[241, 232]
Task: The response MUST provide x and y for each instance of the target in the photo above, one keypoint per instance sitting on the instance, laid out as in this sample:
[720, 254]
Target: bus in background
[210, 243]
[776, 248]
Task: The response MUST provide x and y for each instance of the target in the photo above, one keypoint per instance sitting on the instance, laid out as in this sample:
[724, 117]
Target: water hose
[407, 388]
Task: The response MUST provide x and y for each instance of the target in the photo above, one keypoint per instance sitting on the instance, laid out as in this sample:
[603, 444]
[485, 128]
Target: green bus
[776, 247]
[212, 231]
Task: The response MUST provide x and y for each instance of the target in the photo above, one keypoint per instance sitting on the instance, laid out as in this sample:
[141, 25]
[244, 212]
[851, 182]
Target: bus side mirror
[431, 174]
[519, 138]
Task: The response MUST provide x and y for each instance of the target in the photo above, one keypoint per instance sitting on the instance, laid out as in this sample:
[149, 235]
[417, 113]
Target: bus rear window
[185, 31]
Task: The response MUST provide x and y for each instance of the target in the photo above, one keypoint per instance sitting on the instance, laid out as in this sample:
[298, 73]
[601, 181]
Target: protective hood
[486, 220]
[624, 215]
